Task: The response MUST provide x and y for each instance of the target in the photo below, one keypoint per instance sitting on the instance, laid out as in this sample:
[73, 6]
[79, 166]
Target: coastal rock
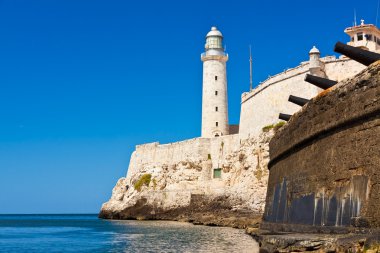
[177, 182]
[315, 242]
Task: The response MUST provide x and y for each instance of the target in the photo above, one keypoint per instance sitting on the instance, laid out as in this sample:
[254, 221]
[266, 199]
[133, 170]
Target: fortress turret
[365, 36]
[214, 98]
[315, 65]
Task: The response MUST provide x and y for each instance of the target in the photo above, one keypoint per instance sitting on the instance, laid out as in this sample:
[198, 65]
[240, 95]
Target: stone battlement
[324, 163]
[261, 106]
[289, 73]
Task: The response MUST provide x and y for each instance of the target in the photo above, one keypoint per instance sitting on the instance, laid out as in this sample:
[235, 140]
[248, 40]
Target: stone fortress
[226, 169]
[274, 92]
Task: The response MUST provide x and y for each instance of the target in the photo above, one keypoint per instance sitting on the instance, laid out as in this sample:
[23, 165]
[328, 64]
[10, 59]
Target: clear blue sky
[83, 82]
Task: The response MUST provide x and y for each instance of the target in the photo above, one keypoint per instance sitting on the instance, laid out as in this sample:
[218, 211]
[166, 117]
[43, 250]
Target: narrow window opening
[217, 173]
[216, 124]
[216, 93]
[216, 109]
[216, 78]
[360, 36]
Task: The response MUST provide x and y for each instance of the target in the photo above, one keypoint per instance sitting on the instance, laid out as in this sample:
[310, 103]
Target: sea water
[87, 233]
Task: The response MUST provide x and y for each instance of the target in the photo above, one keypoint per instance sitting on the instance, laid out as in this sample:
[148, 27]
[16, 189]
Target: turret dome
[314, 50]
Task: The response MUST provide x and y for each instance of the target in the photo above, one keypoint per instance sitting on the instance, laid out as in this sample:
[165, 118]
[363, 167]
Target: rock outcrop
[177, 182]
[316, 242]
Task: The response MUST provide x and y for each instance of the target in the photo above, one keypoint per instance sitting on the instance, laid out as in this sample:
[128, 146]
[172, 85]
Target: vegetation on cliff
[144, 180]
[275, 127]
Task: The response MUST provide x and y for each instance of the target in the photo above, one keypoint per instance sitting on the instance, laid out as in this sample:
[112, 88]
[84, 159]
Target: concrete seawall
[325, 164]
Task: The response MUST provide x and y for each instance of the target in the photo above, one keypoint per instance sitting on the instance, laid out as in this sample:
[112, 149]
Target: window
[352, 39]
[216, 109]
[216, 123]
[360, 36]
[214, 42]
[216, 78]
[216, 93]
[217, 173]
[368, 36]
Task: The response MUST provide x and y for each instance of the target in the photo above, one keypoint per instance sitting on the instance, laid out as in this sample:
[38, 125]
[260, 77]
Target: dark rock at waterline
[202, 211]
[313, 242]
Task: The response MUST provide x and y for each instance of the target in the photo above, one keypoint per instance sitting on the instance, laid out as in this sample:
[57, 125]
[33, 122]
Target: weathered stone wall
[221, 147]
[154, 154]
[183, 170]
[261, 106]
[325, 163]
[195, 151]
[342, 68]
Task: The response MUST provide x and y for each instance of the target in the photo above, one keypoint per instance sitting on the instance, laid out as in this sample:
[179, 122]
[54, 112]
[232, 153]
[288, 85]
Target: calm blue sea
[87, 233]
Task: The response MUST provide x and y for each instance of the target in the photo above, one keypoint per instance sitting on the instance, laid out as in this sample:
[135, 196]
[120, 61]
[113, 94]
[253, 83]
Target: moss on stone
[275, 127]
[144, 180]
[268, 128]
[278, 125]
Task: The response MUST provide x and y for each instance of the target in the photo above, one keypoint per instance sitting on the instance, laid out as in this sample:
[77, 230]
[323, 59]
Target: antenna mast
[355, 17]
[377, 13]
[250, 68]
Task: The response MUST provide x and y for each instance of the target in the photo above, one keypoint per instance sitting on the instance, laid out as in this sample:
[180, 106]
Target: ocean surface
[87, 233]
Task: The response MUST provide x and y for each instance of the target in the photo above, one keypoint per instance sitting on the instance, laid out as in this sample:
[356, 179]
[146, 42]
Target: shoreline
[269, 241]
[312, 242]
[220, 218]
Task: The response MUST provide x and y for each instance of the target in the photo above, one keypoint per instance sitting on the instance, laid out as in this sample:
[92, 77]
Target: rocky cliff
[177, 182]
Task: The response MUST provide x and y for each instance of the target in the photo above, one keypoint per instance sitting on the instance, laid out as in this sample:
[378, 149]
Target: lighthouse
[214, 96]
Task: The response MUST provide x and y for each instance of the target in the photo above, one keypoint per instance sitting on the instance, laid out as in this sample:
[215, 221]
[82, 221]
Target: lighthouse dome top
[214, 32]
[214, 44]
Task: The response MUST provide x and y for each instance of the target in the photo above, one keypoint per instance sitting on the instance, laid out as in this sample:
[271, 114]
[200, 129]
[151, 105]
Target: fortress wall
[262, 106]
[324, 163]
[342, 68]
[156, 155]
[193, 150]
[173, 152]
[222, 146]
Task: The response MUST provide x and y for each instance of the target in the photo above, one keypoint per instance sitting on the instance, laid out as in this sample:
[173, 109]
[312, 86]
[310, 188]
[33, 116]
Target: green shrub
[275, 127]
[279, 125]
[144, 180]
[268, 128]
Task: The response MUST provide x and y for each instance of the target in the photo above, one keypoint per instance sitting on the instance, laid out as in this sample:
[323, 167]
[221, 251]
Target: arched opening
[216, 135]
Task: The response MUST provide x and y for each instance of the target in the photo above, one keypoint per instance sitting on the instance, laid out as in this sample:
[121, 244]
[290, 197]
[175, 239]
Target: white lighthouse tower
[214, 99]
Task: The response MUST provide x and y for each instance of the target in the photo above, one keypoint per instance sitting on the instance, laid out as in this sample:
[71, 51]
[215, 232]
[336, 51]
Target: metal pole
[250, 68]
